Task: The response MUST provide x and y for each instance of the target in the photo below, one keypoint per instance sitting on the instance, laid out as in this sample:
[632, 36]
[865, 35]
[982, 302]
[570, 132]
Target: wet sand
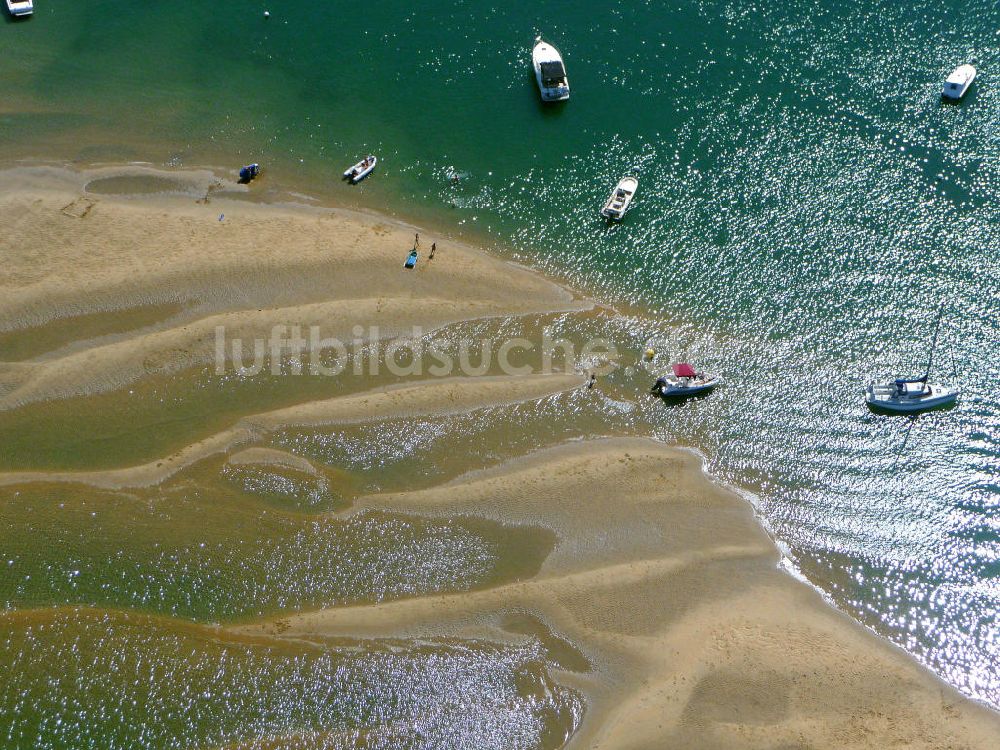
[70, 253]
[673, 594]
[661, 601]
[434, 397]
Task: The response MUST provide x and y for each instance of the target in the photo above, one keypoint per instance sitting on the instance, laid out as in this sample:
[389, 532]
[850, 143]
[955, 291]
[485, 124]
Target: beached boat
[907, 395]
[549, 72]
[249, 173]
[958, 82]
[361, 170]
[20, 7]
[621, 199]
[685, 381]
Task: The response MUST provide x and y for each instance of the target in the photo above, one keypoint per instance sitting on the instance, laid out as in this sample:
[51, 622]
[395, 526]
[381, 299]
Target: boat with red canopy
[685, 381]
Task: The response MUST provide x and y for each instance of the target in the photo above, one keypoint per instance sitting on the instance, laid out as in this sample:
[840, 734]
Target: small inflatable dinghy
[362, 169]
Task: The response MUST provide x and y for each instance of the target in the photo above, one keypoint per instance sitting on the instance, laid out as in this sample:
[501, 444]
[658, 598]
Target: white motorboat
[958, 82]
[549, 72]
[911, 394]
[20, 7]
[902, 395]
[360, 170]
[685, 381]
[621, 199]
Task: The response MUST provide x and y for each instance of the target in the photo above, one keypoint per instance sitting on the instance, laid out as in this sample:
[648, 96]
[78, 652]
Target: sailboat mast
[937, 327]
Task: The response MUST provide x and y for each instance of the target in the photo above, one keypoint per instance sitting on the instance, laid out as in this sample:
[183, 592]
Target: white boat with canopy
[550, 73]
[621, 199]
[685, 381]
[908, 395]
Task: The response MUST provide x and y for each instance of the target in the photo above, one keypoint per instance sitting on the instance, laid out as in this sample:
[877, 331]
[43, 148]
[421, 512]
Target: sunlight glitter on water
[811, 207]
[88, 679]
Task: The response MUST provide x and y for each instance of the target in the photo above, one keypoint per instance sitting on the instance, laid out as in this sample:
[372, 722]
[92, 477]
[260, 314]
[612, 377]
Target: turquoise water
[806, 204]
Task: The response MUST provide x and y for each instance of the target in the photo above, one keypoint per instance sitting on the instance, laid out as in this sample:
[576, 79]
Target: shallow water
[203, 550]
[90, 679]
[806, 204]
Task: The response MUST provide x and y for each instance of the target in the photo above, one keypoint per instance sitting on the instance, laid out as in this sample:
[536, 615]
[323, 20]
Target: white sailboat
[908, 395]
[550, 73]
[620, 199]
[914, 395]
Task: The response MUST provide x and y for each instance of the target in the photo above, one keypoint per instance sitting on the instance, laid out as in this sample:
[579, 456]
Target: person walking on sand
[434, 246]
[416, 240]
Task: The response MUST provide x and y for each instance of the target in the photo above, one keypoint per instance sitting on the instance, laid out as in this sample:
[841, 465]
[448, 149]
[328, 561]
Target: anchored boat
[685, 381]
[549, 72]
[20, 7]
[621, 199]
[901, 395]
[958, 82]
[360, 170]
[908, 395]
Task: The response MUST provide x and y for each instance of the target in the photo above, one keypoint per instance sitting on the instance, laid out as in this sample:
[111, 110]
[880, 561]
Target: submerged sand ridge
[673, 594]
[610, 595]
[435, 397]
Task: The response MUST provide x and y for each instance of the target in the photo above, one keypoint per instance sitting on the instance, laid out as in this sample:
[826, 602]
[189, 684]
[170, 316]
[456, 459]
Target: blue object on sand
[411, 259]
[221, 217]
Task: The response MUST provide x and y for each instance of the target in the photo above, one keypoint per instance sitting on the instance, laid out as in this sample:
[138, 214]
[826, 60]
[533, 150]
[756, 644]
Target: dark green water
[806, 204]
